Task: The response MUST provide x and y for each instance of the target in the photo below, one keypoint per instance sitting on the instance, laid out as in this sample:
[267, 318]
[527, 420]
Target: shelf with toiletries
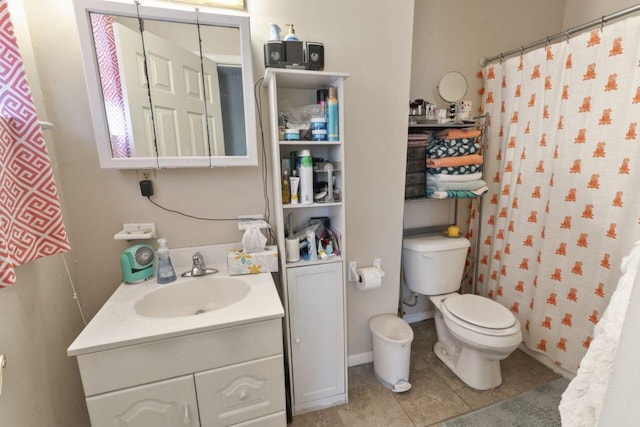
[310, 233]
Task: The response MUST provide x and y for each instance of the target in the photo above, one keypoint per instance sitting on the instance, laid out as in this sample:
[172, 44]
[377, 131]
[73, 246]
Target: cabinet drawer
[170, 403]
[416, 153]
[123, 367]
[241, 392]
[415, 191]
[416, 166]
[416, 178]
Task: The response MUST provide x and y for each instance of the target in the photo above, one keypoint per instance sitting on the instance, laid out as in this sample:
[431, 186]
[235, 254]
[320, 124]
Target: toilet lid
[480, 311]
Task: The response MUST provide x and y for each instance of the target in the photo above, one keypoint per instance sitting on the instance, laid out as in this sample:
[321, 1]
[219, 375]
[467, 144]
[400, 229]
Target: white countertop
[117, 325]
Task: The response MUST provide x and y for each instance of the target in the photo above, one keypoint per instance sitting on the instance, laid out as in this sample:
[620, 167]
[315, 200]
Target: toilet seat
[480, 315]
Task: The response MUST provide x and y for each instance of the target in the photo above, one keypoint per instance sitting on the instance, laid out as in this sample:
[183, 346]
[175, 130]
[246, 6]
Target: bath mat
[537, 407]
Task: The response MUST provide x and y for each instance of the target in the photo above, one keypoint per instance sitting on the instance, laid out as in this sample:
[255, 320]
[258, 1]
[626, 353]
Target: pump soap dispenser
[292, 34]
[166, 273]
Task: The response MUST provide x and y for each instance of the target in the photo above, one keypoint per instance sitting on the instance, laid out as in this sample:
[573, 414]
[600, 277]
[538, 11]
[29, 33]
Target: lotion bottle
[286, 192]
[166, 273]
[333, 127]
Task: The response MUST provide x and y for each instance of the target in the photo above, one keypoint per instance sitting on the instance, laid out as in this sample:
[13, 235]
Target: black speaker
[293, 53]
[314, 55]
[274, 54]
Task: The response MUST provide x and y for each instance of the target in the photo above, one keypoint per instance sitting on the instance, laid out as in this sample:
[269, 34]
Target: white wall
[375, 95]
[38, 317]
[454, 35]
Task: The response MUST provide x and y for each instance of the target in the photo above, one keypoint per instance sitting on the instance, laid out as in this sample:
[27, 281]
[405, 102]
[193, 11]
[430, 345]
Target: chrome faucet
[198, 268]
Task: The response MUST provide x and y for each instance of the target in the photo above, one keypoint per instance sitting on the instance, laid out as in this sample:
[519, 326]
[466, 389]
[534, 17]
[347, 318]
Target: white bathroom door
[178, 97]
[134, 90]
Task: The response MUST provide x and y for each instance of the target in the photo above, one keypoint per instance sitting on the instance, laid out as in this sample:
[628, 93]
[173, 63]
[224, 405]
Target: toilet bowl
[474, 333]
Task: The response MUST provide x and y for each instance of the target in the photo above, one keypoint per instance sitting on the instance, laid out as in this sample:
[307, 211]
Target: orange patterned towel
[457, 133]
[445, 162]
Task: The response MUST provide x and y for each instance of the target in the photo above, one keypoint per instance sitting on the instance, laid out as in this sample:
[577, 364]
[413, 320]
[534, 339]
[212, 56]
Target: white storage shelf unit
[298, 88]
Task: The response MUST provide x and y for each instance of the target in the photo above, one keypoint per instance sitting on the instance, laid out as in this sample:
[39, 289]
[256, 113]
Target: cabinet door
[316, 316]
[167, 403]
[238, 393]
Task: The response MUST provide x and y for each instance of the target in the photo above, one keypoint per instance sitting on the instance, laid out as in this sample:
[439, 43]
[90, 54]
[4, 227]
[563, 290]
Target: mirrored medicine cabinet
[169, 87]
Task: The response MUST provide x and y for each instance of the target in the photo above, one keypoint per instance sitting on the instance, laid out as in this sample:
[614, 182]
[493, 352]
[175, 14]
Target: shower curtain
[563, 166]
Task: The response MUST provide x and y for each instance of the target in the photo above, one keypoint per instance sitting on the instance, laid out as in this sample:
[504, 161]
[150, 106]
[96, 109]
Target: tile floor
[437, 394]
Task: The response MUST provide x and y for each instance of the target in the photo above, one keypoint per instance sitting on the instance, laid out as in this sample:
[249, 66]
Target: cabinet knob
[297, 340]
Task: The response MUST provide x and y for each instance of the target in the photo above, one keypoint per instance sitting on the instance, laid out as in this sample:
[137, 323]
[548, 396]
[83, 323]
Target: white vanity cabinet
[313, 290]
[227, 377]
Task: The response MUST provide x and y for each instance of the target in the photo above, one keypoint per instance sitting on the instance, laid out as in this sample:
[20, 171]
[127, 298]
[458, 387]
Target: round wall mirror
[453, 86]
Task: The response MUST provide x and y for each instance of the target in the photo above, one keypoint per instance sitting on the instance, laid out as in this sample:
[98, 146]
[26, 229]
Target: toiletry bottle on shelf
[311, 245]
[292, 34]
[306, 177]
[286, 193]
[333, 126]
[166, 273]
[294, 184]
[321, 98]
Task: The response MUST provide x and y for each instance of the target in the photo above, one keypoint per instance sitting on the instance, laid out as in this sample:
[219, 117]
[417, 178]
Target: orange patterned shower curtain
[563, 165]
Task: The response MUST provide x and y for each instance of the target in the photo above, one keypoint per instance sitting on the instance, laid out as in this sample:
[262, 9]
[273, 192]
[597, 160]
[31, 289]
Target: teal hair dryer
[136, 263]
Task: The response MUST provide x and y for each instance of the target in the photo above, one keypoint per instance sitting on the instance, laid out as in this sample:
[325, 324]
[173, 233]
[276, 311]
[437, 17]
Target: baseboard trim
[419, 317]
[359, 359]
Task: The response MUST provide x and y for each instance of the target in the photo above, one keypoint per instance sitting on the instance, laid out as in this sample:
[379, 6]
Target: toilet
[474, 333]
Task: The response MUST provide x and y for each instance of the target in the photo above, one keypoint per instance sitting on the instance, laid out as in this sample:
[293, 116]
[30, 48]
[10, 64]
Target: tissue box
[240, 262]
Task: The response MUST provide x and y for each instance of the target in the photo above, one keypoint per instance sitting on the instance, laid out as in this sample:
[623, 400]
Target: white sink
[192, 296]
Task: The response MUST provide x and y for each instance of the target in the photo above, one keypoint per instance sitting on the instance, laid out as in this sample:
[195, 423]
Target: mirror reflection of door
[181, 104]
[135, 92]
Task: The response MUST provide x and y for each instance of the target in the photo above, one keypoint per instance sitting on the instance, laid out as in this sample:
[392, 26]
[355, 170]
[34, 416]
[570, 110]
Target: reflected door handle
[187, 419]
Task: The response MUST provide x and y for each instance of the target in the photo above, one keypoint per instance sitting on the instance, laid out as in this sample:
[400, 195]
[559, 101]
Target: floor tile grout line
[395, 396]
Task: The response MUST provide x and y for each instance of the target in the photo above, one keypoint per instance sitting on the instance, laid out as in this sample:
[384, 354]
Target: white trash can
[392, 338]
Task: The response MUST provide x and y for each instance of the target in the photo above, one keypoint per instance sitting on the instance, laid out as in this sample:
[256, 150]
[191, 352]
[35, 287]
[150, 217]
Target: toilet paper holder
[353, 275]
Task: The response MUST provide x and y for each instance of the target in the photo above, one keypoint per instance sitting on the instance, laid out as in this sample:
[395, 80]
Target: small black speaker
[294, 52]
[314, 55]
[274, 54]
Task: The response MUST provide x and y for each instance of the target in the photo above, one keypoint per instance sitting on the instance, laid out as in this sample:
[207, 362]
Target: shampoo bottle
[166, 273]
[333, 127]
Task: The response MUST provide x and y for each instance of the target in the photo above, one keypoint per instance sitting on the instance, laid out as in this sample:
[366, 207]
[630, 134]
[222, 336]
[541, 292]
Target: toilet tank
[434, 265]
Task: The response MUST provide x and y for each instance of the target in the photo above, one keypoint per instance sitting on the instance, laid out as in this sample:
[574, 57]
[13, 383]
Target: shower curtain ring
[602, 24]
[567, 35]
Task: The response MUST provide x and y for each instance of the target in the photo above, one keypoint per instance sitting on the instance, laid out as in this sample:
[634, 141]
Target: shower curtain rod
[567, 33]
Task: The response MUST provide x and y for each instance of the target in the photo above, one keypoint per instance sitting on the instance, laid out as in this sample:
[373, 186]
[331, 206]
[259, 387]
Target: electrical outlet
[148, 175]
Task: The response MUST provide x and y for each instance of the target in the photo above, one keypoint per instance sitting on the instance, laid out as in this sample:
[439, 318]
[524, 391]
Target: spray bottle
[333, 127]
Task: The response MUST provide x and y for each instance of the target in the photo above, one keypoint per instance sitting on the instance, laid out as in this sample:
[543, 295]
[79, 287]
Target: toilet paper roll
[369, 278]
